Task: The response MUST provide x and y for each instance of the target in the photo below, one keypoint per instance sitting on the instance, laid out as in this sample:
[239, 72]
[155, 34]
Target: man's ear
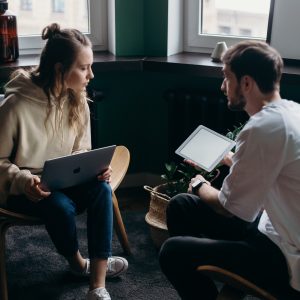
[246, 83]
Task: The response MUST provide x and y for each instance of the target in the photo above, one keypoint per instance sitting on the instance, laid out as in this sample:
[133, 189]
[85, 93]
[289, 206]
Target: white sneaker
[98, 294]
[116, 266]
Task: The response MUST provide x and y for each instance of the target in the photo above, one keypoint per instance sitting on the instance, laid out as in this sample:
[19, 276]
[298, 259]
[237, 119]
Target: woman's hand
[33, 190]
[105, 175]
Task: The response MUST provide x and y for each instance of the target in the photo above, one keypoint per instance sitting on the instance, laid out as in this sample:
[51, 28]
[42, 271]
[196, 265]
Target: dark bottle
[9, 46]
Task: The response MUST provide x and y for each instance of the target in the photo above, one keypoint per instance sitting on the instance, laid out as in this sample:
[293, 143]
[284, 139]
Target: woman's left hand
[105, 175]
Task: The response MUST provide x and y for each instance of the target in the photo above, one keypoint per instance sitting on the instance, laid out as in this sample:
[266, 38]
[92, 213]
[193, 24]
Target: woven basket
[156, 216]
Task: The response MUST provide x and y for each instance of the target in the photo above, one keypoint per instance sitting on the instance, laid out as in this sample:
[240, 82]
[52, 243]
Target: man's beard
[239, 102]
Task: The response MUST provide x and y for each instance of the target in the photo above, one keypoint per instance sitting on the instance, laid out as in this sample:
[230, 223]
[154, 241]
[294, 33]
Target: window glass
[234, 17]
[208, 22]
[34, 15]
[58, 6]
[26, 5]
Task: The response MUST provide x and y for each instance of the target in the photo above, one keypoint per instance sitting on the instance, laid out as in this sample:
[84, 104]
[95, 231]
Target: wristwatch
[196, 185]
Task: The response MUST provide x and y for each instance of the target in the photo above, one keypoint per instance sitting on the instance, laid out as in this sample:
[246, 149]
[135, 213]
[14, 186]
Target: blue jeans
[58, 211]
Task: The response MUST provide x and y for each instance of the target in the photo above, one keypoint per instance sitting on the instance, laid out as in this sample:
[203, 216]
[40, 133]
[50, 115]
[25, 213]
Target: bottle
[9, 45]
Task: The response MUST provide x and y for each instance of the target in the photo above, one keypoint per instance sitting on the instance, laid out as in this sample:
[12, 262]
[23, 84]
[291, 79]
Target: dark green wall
[134, 113]
[129, 17]
[141, 27]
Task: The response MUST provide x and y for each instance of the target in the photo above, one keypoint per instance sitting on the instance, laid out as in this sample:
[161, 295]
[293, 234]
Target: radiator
[187, 109]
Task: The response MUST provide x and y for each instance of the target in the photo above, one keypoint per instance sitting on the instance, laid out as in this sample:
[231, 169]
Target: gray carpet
[36, 272]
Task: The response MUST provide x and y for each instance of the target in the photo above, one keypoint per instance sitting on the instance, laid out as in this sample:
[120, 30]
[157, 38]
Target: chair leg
[3, 280]
[119, 226]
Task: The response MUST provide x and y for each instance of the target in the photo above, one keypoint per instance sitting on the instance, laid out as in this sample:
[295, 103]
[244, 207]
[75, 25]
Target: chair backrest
[234, 280]
[119, 164]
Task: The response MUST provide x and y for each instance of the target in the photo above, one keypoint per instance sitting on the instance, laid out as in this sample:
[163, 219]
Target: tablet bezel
[217, 159]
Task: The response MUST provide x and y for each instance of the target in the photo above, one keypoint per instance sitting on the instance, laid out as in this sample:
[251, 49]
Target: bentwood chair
[235, 287]
[119, 164]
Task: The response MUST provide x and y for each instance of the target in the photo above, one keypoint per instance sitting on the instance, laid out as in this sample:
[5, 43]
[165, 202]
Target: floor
[133, 199]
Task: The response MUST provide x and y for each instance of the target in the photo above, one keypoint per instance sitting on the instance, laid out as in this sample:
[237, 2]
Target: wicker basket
[156, 216]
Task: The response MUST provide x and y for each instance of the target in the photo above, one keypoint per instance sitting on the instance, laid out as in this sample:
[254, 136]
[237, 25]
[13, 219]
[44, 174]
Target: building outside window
[88, 16]
[210, 21]
[58, 6]
[26, 5]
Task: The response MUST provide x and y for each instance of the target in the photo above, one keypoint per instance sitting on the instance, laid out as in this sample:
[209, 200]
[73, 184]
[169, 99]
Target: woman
[45, 114]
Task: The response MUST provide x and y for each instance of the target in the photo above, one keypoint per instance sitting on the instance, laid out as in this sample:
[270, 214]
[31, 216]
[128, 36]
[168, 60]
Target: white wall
[286, 28]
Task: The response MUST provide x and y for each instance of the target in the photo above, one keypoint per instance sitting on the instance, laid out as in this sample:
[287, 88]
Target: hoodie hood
[23, 86]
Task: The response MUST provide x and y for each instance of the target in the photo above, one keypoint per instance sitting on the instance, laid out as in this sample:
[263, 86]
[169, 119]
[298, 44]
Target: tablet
[205, 147]
[66, 171]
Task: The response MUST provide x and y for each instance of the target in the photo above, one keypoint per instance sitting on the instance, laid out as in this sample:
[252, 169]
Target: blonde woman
[44, 115]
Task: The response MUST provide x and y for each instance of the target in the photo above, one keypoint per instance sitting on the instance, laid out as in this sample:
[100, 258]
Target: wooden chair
[119, 164]
[235, 287]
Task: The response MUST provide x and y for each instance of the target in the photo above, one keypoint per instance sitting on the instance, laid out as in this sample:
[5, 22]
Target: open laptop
[67, 171]
[205, 147]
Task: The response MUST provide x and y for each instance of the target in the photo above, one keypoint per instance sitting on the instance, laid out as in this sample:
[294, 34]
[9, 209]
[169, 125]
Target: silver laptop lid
[71, 170]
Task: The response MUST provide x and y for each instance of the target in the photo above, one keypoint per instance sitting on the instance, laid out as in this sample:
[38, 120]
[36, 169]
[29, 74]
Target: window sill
[184, 63]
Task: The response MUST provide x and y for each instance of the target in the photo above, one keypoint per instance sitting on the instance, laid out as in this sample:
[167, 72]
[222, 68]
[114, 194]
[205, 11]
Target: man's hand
[33, 190]
[191, 163]
[227, 160]
[105, 175]
[200, 177]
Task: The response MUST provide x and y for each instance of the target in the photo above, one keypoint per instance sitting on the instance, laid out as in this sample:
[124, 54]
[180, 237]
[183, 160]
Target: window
[245, 32]
[26, 5]
[211, 21]
[58, 6]
[88, 16]
[224, 30]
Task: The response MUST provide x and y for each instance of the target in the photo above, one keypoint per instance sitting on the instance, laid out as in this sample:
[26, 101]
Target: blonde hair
[62, 47]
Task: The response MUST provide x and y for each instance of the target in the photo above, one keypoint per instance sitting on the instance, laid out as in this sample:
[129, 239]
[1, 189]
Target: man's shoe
[98, 294]
[116, 266]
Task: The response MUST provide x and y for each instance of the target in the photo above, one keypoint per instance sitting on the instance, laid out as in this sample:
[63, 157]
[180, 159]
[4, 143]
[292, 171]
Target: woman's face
[80, 72]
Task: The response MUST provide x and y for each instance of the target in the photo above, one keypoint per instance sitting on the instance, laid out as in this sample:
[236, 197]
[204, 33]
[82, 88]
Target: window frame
[205, 43]
[98, 19]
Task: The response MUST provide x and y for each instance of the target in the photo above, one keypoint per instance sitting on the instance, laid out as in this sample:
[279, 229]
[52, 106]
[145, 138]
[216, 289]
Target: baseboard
[140, 179]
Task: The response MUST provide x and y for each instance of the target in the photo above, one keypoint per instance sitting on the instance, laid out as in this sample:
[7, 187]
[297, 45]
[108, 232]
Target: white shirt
[266, 174]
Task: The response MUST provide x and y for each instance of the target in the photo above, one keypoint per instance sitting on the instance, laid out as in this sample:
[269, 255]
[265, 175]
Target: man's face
[232, 89]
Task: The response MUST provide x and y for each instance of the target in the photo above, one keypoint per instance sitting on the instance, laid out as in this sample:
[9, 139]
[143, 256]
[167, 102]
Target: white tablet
[205, 147]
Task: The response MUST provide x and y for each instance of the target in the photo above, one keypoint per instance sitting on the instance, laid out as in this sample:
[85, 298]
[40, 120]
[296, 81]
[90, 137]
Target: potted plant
[176, 179]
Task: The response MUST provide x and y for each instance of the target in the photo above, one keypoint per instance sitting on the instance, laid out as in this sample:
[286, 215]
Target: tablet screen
[205, 147]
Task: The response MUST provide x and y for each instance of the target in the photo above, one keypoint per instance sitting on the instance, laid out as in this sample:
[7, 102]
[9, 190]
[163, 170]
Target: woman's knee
[102, 195]
[58, 205]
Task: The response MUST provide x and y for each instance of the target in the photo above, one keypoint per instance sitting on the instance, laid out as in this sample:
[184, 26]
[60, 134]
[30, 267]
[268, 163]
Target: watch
[196, 185]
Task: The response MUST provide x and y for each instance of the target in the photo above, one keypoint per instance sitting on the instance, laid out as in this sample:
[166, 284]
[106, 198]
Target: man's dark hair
[258, 60]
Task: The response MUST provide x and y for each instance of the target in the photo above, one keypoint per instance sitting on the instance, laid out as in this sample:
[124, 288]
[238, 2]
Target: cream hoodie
[25, 142]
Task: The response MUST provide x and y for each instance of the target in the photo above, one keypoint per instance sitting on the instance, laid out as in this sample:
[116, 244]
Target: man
[251, 226]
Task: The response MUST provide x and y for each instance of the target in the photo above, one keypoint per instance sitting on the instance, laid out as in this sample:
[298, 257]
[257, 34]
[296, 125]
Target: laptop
[67, 171]
[205, 147]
